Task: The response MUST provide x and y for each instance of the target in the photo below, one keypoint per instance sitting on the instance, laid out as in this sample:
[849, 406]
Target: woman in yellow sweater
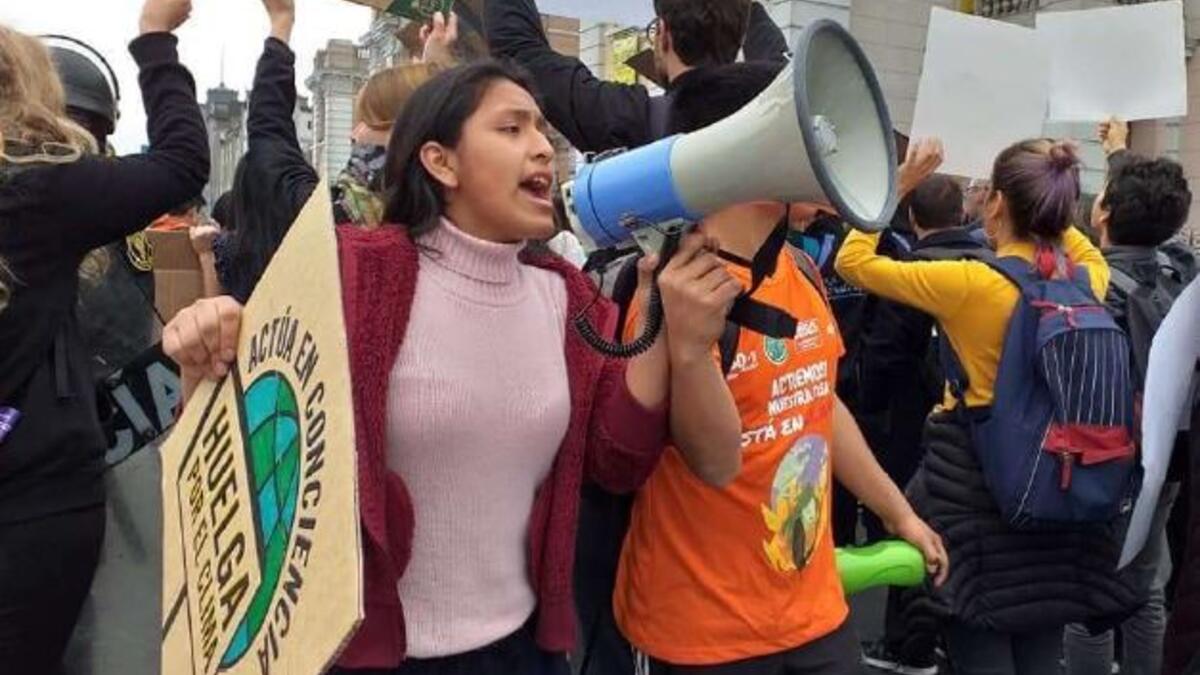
[1009, 593]
[1033, 197]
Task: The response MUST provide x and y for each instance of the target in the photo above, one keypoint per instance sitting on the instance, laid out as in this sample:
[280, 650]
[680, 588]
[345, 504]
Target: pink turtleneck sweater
[478, 407]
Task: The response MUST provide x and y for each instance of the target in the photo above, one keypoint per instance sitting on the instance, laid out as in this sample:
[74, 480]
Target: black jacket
[1142, 264]
[273, 168]
[1002, 579]
[593, 114]
[50, 217]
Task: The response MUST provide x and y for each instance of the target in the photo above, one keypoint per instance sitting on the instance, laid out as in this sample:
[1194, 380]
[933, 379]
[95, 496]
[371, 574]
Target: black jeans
[975, 651]
[46, 571]
[516, 654]
[835, 654]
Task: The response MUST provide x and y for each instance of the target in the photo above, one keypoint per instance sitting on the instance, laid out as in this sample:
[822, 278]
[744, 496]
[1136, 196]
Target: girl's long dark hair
[259, 218]
[436, 113]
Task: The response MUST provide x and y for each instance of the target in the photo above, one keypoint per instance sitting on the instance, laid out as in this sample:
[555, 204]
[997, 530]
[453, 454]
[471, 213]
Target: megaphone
[820, 131]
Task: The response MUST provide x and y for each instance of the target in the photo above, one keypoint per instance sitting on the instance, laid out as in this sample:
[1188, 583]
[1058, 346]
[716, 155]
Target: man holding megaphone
[743, 578]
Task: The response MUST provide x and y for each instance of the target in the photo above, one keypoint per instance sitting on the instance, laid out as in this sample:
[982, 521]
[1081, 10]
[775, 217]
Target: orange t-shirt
[713, 575]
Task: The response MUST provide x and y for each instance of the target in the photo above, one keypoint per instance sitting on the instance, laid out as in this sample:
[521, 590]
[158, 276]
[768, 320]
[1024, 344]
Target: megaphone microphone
[820, 131]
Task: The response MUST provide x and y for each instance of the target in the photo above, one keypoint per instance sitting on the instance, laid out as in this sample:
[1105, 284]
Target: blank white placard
[1123, 61]
[984, 86]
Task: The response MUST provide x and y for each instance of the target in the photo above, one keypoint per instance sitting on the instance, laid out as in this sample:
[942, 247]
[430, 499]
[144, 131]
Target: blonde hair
[385, 94]
[34, 127]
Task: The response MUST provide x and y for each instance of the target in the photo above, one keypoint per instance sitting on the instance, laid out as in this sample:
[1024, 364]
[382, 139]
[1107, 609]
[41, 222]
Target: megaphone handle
[653, 320]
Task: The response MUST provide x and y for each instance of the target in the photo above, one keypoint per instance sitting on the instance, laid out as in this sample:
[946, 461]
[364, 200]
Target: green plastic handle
[887, 563]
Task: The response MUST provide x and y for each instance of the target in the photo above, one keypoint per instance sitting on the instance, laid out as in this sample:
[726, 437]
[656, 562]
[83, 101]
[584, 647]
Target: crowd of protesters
[672, 513]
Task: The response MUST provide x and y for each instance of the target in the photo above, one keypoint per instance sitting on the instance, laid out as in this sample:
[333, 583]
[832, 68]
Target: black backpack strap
[624, 288]
[757, 316]
[809, 269]
[727, 346]
[1123, 281]
[952, 368]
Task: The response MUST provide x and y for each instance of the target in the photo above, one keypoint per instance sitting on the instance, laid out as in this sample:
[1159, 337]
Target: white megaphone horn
[820, 131]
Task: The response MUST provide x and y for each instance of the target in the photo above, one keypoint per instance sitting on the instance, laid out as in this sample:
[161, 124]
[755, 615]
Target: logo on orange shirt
[795, 514]
[776, 350]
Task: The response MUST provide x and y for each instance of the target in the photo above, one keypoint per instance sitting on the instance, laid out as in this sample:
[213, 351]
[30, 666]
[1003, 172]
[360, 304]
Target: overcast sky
[233, 28]
[224, 37]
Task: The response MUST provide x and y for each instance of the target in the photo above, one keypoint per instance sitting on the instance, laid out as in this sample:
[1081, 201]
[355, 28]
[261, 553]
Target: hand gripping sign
[261, 550]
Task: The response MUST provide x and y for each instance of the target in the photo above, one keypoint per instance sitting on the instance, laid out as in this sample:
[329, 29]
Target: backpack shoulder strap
[727, 346]
[810, 271]
[1122, 280]
[624, 288]
[1016, 270]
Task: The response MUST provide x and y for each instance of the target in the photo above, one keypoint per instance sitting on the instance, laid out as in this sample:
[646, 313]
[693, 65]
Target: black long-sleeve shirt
[593, 114]
[275, 169]
[51, 215]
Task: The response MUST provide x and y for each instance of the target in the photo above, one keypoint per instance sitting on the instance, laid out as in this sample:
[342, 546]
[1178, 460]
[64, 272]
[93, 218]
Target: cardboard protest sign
[261, 550]
[1123, 61]
[983, 87]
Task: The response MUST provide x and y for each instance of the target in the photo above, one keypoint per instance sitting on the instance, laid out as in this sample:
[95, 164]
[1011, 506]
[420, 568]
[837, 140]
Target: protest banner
[983, 87]
[1127, 62]
[261, 550]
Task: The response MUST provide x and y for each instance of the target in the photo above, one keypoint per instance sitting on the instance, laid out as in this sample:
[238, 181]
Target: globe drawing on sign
[273, 460]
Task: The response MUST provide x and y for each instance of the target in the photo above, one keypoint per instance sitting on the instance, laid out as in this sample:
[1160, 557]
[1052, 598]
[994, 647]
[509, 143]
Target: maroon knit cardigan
[611, 437]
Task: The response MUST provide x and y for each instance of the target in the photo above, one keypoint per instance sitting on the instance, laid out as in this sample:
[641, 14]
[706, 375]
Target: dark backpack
[1147, 304]
[1057, 444]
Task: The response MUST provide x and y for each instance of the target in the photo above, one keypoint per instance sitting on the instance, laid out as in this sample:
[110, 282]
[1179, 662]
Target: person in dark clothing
[116, 294]
[1143, 206]
[899, 384]
[1010, 591]
[273, 181]
[57, 202]
[595, 115]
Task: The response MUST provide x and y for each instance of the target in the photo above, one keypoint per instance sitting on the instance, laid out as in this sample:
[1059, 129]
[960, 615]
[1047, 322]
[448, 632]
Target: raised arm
[764, 40]
[273, 146]
[594, 115]
[98, 200]
[936, 288]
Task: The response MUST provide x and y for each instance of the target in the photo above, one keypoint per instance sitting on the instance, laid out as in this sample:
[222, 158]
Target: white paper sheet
[984, 86]
[1169, 374]
[1123, 61]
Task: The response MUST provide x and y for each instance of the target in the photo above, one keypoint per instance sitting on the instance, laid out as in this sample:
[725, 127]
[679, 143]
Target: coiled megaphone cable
[653, 323]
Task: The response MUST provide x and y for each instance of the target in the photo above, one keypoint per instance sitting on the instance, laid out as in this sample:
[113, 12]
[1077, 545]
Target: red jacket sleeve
[625, 439]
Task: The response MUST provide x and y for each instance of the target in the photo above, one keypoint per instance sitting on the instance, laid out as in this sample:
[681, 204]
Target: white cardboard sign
[1122, 61]
[984, 86]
